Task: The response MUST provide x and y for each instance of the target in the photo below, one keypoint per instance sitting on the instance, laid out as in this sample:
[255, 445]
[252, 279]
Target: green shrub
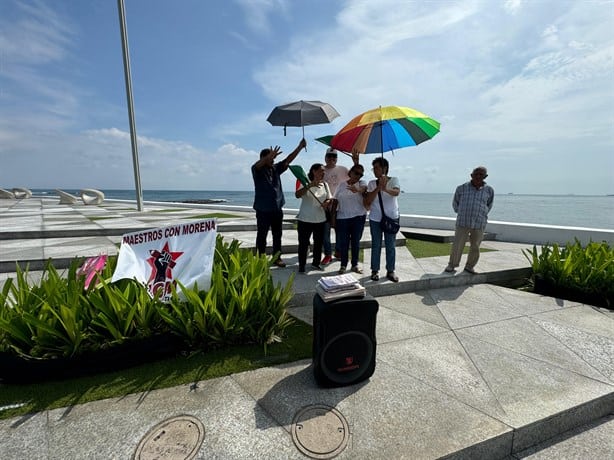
[588, 271]
[58, 317]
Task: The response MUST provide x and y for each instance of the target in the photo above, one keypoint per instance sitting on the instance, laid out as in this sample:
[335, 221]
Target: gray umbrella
[302, 113]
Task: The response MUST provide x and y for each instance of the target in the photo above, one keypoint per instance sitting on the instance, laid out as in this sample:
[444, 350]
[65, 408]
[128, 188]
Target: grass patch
[180, 370]
[168, 210]
[421, 249]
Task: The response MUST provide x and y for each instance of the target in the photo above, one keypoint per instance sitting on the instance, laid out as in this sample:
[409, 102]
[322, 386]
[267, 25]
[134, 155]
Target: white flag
[161, 256]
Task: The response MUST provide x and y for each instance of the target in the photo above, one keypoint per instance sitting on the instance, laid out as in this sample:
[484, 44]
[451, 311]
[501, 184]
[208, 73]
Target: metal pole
[135, 150]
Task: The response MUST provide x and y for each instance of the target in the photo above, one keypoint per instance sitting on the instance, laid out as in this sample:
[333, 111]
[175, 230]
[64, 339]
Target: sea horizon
[568, 210]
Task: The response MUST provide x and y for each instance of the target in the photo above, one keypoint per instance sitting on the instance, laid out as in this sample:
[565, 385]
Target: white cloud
[41, 38]
[512, 6]
[510, 82]
[257, 13]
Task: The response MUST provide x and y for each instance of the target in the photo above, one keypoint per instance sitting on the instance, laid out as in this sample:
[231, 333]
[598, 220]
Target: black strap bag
[388, 224]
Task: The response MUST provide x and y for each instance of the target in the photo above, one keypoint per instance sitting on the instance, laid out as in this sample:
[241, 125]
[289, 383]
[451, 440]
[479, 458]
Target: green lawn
[421, 249]
[179, 370]
[219, 215]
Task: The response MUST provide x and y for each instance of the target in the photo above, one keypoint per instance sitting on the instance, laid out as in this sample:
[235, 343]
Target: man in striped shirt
[472, 202]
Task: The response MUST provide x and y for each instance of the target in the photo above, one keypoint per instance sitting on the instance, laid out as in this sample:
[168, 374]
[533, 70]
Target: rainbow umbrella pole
[385, 129]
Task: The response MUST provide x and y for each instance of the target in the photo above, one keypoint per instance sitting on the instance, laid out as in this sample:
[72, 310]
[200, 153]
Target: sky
[525, 88]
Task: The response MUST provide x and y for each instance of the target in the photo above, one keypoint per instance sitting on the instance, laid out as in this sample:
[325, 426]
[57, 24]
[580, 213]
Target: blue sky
[523, 87]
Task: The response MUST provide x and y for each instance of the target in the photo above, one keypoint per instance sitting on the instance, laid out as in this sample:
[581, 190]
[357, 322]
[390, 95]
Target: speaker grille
[347, 356]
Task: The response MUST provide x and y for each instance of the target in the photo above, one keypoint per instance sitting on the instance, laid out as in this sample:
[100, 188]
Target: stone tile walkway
[464, 368]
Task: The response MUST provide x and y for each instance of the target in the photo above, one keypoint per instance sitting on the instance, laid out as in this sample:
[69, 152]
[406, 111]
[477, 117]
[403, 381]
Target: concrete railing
[505, 231]
[518, 232]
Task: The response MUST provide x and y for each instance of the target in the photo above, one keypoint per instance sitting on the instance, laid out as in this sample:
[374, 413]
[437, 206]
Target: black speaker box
[344, 340]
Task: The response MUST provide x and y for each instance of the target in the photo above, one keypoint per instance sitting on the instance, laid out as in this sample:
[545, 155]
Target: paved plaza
[465, 367]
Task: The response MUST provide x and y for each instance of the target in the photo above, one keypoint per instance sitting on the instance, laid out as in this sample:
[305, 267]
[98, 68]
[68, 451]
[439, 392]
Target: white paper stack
[339, 286]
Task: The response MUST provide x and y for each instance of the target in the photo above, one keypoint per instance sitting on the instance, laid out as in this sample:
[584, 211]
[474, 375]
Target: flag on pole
[299, 173]
[160, 257]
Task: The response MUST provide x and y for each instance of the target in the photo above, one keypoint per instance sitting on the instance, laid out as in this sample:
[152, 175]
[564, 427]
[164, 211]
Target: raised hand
[275, 151]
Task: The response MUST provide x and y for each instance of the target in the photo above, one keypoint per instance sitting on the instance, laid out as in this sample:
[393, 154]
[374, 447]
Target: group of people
[334, 188]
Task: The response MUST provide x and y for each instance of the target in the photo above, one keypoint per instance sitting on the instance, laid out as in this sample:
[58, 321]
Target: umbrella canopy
[302, 113]
[384, 129]
[325, 139]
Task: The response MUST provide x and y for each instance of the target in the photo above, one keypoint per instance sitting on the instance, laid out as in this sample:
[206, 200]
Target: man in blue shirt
[472, 202]
[269, 197]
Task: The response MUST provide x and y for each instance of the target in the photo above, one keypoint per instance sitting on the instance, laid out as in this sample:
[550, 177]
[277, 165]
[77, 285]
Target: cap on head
[331, 152]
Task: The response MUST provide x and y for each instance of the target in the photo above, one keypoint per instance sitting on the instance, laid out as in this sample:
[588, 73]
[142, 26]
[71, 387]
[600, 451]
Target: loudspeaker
[344, 340]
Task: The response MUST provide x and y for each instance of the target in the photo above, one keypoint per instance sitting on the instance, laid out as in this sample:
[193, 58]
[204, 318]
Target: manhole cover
[177, 438]
[320, 431]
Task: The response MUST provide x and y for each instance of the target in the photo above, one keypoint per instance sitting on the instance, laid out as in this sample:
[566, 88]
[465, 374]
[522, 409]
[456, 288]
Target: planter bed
[548, 288]
[17, 369]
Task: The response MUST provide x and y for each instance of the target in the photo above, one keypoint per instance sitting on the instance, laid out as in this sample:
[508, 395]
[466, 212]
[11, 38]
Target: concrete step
[118, 231]
[436, 236]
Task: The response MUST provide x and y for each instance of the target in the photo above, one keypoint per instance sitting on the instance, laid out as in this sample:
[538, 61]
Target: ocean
[564, 210]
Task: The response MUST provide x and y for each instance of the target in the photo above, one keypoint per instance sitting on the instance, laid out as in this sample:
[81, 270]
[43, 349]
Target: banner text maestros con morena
[160, 257]
[167, 232]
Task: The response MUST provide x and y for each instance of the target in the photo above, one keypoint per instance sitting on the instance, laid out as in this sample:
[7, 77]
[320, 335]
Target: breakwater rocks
[206, 201]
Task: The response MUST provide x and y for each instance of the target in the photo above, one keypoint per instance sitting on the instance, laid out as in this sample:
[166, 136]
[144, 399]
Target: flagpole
[133, 138]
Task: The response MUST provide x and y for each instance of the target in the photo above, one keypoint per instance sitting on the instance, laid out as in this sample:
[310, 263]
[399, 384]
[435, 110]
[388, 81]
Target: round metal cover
[177, 438]
[320, 431]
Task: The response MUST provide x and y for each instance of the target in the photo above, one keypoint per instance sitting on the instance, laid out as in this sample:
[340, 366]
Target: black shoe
[279, 263]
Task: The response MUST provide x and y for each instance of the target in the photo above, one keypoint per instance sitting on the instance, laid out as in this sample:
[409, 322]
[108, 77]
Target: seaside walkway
[466, 368]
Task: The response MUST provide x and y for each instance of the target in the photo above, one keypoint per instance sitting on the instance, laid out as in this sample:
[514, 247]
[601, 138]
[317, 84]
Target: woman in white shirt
[312, 216]
[388, 189]
[351, 216]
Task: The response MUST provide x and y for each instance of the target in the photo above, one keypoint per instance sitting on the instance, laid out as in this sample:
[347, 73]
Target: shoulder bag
[389, 225]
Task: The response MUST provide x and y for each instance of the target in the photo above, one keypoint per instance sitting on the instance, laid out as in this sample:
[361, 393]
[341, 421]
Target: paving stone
[393, 326]
[530, 338]
[420, 305]
[583, 317]
[529, 389]
[440, 361]
[25, 437]
[594, 349]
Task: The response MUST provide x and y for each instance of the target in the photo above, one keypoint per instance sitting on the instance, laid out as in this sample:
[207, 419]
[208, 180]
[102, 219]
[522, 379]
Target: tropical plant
[44, 320]
[242, 305]
[60, 317]
[588, 270]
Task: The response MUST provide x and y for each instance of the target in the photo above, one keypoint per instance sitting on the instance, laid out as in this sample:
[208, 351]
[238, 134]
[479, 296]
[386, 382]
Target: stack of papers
[340, 286]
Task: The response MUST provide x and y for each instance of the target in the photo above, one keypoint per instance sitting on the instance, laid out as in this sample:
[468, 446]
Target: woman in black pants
[311, 217]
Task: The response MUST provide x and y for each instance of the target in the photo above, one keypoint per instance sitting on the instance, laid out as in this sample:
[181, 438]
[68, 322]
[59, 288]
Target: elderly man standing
[269, 197]
[472, 202]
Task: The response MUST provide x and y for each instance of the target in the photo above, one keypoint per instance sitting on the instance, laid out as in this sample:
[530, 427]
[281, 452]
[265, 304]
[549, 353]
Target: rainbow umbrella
[384, 129]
